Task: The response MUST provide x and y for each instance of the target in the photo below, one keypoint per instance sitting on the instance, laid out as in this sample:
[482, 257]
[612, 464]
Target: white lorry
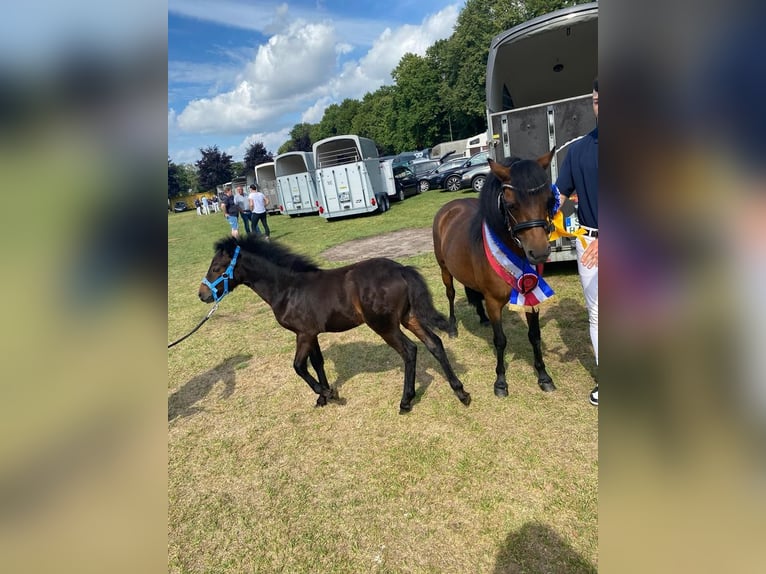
[539, 84]
[348, 176]
[296, 184]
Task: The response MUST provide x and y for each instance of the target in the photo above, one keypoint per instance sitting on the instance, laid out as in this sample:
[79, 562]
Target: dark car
[451, 179]
[180, 206]
[406, 181]
[434, 179]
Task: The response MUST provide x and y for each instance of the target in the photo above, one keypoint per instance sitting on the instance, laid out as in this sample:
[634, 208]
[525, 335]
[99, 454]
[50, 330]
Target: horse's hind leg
[475, 298]
[543, 378]
[409, 352]
[434, 344]
[449, 286]
[304, 347]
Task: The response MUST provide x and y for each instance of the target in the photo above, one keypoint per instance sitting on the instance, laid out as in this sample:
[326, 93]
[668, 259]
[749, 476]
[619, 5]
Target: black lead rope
[210, 313]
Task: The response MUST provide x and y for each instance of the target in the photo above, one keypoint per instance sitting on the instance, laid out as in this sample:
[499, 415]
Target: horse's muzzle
[205, 294]
[535, 257]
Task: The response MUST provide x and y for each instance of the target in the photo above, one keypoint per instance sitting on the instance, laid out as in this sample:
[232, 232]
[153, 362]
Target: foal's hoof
[547, 385]
[404, 409]
[501, 392]
[465, 398]
[321, 401]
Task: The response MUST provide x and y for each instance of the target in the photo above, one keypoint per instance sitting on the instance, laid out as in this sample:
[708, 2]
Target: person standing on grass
[258, 203]
[244, 207]
[580, 173]
[230, 210]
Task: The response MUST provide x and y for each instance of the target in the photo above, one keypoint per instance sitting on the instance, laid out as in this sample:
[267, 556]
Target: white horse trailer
[266, 178]
[539, 82]
[296, 183]
[348, 176]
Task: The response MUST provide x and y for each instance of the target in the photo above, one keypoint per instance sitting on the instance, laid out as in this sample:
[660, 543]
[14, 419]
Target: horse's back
[452, 225]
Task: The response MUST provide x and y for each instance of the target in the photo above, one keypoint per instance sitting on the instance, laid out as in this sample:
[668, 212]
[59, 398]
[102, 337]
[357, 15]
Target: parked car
[475, 177]
[452, 181]
[406, 182]
[434, 179]
[180, 206]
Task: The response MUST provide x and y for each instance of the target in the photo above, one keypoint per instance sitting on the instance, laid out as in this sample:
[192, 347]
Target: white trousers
[589, 281]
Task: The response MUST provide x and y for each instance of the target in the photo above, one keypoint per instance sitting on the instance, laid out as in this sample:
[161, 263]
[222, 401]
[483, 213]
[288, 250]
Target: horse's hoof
[501, 392]
[404, 409]
[484, 322]
[465, 399]
[321, 401]
[547, 386]
[452, 334]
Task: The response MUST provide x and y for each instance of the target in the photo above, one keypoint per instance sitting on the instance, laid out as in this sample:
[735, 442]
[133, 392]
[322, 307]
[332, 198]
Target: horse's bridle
[514, 226]
[228, 274]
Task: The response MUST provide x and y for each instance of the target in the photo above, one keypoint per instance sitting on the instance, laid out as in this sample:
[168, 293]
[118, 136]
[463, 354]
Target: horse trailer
[296, 184]
[348, 176]
[539, 91]
[266, 178]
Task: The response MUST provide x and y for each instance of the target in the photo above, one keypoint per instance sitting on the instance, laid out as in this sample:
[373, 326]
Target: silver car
[475, 177]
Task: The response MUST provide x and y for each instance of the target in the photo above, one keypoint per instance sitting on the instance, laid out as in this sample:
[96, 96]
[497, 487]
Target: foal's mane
[273, 252]
[526, 174]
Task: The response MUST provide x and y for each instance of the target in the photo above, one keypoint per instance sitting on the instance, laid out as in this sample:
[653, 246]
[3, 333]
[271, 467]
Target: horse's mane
[273, 252]
[526, 174]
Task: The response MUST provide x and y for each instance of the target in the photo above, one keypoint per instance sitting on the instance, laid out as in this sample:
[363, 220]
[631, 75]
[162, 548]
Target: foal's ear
[501, 172]
[545, 160]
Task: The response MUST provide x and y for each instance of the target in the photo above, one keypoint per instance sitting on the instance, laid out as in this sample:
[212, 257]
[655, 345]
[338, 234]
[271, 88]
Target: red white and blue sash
[527, 287]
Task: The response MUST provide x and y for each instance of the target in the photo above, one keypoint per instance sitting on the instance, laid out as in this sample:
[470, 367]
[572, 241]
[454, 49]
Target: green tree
[415, 103]
[174, 185]
[338, 119]
[215, 167]
[376, 119]
[300, 139]
[256, 154]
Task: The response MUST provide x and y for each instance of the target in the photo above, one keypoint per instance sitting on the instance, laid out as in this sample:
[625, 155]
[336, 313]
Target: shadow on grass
[182, 403]
[351, 359]
[537, 549]
[574, 336]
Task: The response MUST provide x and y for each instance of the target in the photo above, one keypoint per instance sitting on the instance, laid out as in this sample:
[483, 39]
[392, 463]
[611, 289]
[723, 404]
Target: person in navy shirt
[579, 173]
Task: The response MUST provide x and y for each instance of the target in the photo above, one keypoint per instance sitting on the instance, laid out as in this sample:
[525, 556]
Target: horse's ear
[501, 172]
[545, 160]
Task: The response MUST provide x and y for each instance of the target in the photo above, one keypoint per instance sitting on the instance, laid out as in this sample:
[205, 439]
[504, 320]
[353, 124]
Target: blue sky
[243, 71]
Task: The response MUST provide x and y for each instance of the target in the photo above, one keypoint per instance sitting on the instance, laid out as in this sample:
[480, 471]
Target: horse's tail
[421, 303]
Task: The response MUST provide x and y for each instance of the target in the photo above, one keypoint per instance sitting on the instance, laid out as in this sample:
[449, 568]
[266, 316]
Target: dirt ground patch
[397, 244]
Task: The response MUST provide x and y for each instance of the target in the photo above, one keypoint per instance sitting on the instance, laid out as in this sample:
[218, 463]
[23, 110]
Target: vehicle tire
[452, 183]
[478, 182]
[400, 194]
[383, 204]
[423, 185]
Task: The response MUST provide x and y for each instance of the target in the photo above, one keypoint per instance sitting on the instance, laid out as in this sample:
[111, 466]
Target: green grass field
[259, 480]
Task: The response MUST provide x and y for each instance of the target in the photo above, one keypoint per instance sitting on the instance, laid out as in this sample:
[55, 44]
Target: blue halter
[228, 274]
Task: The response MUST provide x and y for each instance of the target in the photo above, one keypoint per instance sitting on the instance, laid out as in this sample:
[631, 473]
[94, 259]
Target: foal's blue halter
[228, 274]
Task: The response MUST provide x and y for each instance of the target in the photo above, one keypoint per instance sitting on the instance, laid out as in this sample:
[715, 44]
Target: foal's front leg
[304, 346]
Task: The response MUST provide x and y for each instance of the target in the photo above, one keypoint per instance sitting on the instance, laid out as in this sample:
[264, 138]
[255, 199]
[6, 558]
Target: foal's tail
[421, 303]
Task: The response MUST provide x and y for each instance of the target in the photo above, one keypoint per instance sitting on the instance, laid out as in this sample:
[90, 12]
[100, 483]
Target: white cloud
[297, 74]
[294, 62]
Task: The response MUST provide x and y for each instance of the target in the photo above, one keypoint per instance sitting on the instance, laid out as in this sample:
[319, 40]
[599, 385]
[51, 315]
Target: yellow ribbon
[560, 231]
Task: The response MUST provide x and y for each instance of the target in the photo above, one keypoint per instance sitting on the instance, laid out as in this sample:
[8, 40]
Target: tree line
[434, 98]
